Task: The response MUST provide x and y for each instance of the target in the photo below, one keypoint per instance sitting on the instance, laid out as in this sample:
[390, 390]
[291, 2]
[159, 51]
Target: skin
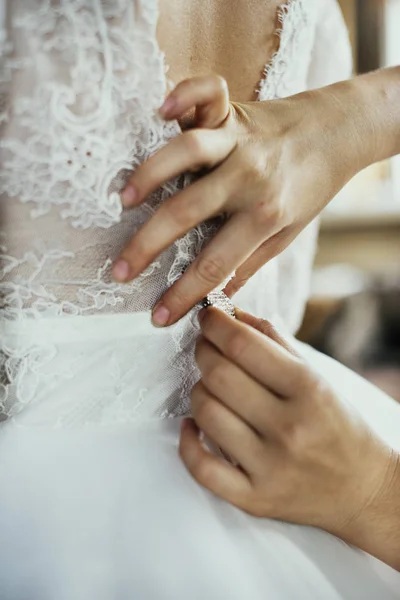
[271, 167]
[199, 38]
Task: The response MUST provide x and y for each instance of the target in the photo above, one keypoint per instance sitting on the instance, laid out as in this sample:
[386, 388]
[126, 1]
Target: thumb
[208, 95]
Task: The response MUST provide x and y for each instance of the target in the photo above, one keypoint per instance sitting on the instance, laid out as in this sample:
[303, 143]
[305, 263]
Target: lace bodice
[81, 82]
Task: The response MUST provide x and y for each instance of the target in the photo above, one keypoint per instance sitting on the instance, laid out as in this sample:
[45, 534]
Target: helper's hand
[272, 167]
[303, 455]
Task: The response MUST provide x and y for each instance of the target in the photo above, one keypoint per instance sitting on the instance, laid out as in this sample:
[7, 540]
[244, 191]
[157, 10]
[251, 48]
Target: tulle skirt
[110, 513]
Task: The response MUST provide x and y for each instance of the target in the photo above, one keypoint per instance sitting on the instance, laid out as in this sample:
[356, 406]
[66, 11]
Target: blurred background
[354, 310]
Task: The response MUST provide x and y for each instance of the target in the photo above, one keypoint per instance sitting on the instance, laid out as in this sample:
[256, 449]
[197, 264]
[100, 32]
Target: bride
[95, 501]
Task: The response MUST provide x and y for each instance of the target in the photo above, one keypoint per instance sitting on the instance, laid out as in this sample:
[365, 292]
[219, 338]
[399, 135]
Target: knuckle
[186, 87]
[259, 504]
[186, 84]
[295, 438]
[204, 410]
[210, 271]
[177, 299]
[221, 85]
[243, 500]
[254, 171]
[268, 209]
[236, 284]
[299, 441]
[197, 392]
[258, 510]
[267, 328]
[170, 210]
[177, 213]
[218, 376]
[269, 212]
[194, 145]
[321, 390]
[237, 346]
[137, 247]
[203, 472]
[138, 175]
[304, 380]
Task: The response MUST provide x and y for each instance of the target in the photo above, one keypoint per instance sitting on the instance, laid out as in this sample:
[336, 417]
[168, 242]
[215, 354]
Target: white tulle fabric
[81, 81]
[102, 513]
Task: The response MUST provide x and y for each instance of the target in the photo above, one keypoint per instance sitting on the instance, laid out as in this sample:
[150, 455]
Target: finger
[261, 357]
[210, 96]
[245, 397]
[221, 478]
[226, 429]
[230, 248]
[266, 252]
[266, 328]
[190, 151]
[202, 200]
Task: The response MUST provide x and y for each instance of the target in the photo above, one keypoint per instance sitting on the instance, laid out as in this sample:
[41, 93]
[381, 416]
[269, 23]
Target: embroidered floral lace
[80, 85]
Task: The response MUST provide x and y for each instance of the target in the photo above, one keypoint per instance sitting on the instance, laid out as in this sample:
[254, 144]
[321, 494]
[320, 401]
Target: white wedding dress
[94, 501]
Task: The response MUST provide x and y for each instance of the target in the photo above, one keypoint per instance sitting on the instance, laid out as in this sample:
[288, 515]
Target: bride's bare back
[234, 38]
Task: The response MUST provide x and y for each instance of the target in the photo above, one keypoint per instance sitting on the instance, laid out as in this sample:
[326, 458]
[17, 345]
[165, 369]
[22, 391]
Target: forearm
[370, 115]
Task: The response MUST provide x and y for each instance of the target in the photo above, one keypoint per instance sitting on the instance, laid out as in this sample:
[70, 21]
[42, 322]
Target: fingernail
[129, 196]
[161, 315]
[168, 106]
[184, 424]
[121, 270]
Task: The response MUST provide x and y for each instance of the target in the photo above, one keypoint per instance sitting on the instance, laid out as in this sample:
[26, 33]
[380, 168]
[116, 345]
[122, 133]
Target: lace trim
[69, 142]
[282, 75]
[92, 370]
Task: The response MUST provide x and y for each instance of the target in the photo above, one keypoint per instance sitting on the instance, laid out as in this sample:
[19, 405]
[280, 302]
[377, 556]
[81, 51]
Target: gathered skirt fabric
[109, 512]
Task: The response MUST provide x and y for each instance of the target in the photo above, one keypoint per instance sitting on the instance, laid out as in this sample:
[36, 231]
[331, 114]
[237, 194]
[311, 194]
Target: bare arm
[369, 110]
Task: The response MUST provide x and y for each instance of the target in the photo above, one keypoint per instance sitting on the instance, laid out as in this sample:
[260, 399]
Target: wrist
[371, 113]
[375, 528]
[354, 130]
